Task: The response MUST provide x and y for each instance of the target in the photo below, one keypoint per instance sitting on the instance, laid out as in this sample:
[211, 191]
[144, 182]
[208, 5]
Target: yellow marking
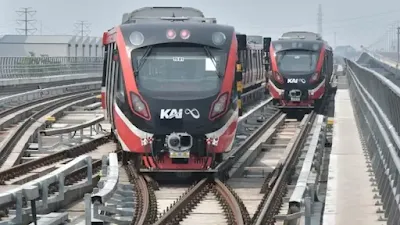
[330, 121]
[51, 119]
[239, 67]
[239, 103]
[179, 154]
[98, 96]
[239, 86]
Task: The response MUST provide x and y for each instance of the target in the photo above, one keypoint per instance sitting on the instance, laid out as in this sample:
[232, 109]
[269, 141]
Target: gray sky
[355, 22]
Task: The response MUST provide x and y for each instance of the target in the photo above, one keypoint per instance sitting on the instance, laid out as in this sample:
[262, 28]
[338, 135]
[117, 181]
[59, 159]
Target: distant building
[346, 51]
[50, 45]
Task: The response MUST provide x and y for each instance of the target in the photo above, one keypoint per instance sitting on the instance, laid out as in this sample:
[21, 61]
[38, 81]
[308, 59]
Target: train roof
[293, 43]
[165, 24]
[301, 35]
[155, 14]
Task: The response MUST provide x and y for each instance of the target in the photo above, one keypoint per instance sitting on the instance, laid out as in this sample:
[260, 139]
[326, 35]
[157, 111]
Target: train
[172, 84]
[301, 71]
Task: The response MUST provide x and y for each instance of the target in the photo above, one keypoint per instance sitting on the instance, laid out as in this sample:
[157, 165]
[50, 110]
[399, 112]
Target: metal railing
[388, 64]
[111, 202]
[22, 67]
[92, 126]
[38, 195]
[31, 96]
[304, 196]
[376, 102]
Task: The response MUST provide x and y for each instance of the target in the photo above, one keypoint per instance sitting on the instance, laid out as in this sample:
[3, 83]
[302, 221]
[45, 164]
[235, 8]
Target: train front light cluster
[185, 34]
[136, 38]
[139, 106]
[314, 77]
[219, 106]
[171, 34]
[218, 38]
[278, 77]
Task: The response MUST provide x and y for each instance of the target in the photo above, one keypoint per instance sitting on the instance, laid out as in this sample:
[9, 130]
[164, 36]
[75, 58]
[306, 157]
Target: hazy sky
[355, 22]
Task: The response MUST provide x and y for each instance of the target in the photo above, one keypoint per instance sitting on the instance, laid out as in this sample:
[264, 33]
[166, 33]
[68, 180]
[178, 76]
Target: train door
[111, 77]
[103, 83]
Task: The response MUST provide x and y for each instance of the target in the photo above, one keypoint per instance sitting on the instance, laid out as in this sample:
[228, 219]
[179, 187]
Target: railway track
[253, 195]
[21, 173]
[253, 118]
[213, 200]
[20, 124]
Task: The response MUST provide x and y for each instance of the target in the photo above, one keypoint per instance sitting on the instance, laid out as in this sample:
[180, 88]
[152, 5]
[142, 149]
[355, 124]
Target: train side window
[120, 82]
[250, 63]
[326, 63]
[260, 58]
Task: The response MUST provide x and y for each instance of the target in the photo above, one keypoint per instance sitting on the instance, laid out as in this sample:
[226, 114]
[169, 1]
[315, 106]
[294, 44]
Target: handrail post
[88, 209]
[18, 207]
[89, 171]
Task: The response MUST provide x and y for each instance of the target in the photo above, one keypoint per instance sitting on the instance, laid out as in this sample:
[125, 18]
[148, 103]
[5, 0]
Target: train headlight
[136, 38]
[171, 34]
[185, 34]
[139, 106]
[314, 77]
[219, 106]
[218, 38]
[278, 47]
[174, 141]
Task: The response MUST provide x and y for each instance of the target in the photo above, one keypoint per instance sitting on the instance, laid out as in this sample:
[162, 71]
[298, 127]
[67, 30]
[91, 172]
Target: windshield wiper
[281, 57]
[210, 55]
[143, 59]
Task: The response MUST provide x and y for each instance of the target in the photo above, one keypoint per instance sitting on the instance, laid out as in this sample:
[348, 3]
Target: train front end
[299, 73]
[176, 108]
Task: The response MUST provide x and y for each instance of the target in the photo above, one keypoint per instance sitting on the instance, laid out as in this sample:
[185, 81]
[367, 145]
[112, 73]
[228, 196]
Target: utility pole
[398, 45]
[319, 19]
[82, 28]
[26, 12]
[334, 39]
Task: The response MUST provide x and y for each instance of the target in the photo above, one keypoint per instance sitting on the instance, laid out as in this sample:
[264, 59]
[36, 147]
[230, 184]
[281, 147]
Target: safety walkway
[350, 197]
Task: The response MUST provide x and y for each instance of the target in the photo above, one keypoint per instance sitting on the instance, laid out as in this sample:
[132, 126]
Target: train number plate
[179, 155]
[295, 99]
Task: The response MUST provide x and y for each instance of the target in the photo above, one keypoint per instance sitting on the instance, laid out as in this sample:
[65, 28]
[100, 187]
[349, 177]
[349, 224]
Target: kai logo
[295, 81]
[167, 114]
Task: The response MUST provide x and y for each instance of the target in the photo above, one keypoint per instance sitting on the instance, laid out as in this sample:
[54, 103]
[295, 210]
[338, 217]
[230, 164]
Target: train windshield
[297, 61]
[180, 71]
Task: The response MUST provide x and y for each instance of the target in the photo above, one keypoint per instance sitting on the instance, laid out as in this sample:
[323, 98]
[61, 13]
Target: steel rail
[277, 188]
[231, 200]
[236, 154]
[176, 209]
[72, 152]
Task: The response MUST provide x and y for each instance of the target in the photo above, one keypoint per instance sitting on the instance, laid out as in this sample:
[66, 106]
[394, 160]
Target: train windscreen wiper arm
[143, 59]
[210, 55]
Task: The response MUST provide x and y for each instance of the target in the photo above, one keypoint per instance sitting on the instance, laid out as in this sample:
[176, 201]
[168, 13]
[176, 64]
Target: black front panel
[156, 33]
[296, 81]
[283, 45]
[169, 116]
